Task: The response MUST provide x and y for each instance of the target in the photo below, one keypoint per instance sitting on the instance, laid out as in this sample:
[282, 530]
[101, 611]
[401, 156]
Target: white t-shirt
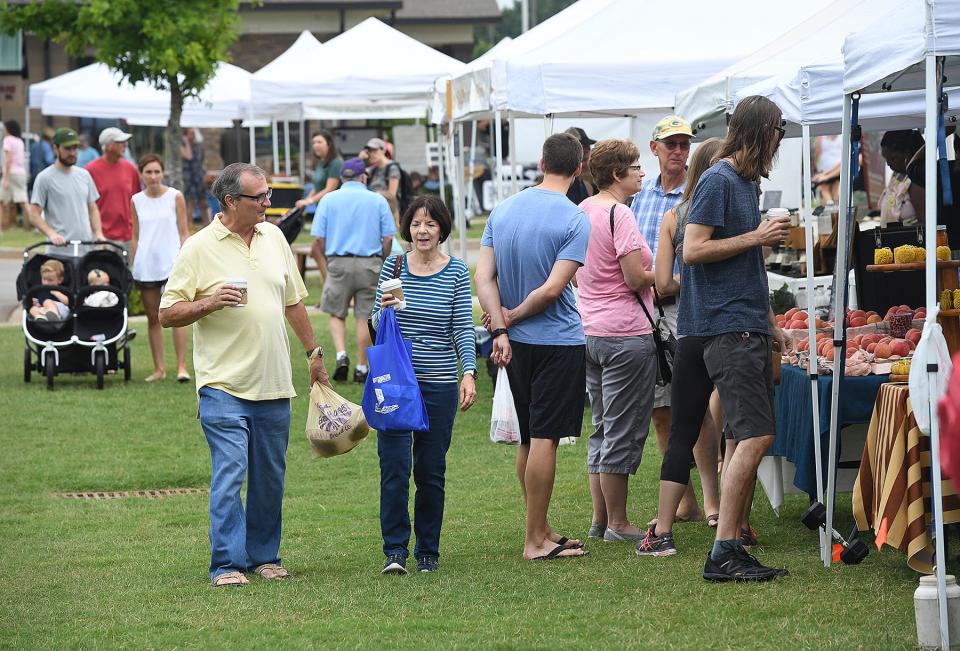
[159, 240]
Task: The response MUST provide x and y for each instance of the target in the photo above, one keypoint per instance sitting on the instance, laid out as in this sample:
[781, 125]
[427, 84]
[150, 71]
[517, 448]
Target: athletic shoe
[596, 530]
[395, 564]
[753, 559]
[342, 368]
[736, 565]
[428, 564]
[360, 377]
[654, 545]
[612, 535]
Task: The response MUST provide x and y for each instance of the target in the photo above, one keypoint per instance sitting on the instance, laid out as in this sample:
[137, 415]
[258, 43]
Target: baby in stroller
[51, 305]
[101, 298]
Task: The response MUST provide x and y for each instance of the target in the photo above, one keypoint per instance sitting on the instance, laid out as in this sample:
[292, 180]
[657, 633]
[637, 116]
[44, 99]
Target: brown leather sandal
[228, 579]
[271, 572]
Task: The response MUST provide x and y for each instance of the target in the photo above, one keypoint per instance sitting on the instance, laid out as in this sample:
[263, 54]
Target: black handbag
[666, 344]
[397, 267]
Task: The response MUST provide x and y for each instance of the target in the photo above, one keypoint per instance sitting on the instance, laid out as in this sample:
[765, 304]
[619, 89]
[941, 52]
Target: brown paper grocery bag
[334, 424]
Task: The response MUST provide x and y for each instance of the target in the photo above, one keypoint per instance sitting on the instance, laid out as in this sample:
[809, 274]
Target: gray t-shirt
[65, 199]
[730, 295]
[380, 176]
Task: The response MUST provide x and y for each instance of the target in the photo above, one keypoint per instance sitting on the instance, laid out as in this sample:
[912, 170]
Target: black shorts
[740, 366]
[548, 385]
[151, 284]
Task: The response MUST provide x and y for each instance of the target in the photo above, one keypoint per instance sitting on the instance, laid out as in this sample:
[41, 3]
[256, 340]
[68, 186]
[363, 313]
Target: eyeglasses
[780, 130]
[675, 144]
[636, 168]
[259, 198]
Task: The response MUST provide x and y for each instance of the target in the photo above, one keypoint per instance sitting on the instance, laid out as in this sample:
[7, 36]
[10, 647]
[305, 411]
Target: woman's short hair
[752, 138]
[146, 159]
[610, 160]
[13, 128]
[435, 208]
[562, 153]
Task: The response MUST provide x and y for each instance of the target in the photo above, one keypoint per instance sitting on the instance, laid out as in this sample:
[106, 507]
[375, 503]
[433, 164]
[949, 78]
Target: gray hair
[228, 183]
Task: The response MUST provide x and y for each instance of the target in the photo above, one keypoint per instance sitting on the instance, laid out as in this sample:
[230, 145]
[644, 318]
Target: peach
[789, 314]
[871, 347]
[858, 313]
[883, 351]
[913, 335]
[900, 347]
[856, 341]
[858, 322]
[871, 313]
[903, 309]
[800, 314]
[874, 318]
[829, 354]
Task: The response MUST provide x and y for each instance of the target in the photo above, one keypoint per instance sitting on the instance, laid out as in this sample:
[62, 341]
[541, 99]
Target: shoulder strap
[397, 265]
[656, 297]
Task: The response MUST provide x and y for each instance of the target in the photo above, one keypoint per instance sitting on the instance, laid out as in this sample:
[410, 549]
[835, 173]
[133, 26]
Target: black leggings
[689, 401]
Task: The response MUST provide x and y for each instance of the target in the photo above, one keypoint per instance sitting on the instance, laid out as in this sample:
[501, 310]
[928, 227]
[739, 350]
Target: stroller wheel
[100, 363]
[50, 371]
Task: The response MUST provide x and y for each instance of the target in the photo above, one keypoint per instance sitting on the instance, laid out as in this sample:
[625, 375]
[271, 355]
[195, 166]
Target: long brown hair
[752, 138]
[331, 144]
[703, 158]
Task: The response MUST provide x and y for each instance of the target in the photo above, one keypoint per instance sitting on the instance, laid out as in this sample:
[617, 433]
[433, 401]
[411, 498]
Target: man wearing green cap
[63, 206]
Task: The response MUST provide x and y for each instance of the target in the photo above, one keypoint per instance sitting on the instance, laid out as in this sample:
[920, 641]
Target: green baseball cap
[671, 125]
[66, 137]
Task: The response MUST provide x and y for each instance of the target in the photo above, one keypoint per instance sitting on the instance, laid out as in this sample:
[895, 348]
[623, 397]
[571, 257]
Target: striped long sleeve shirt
[438, 319]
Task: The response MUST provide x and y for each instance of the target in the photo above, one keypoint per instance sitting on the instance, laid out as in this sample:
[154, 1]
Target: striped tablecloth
[892, 491]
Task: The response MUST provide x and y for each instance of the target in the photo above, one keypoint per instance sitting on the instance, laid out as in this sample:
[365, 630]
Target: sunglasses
[781, 131]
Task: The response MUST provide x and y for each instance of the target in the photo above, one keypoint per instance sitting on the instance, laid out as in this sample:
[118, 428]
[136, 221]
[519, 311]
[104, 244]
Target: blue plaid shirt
[650, 205]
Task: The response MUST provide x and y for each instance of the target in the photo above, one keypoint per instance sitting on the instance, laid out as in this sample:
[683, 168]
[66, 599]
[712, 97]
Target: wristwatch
[496, 333]
[318, 350]
[472, 372]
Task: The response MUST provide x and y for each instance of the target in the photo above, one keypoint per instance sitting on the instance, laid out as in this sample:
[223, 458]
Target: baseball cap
[671, 125]
[113, 134]
[64, 137]
[376, 143]
[581, 135]
[352, 168]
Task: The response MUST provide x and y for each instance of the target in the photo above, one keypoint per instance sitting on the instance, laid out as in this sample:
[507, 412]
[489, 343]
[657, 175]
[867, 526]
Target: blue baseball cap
[352, 168]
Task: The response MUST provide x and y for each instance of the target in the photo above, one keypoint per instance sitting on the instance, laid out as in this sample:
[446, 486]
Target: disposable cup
[241, 284]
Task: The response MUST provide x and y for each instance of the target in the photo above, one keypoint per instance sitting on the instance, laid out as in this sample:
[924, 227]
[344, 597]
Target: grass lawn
[133, 572]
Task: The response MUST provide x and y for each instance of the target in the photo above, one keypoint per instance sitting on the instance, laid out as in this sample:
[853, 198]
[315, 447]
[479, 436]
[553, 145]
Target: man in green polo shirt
[235, 280]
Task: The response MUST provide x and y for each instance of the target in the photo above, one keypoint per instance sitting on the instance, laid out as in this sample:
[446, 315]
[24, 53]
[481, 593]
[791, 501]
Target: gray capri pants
[621, 376]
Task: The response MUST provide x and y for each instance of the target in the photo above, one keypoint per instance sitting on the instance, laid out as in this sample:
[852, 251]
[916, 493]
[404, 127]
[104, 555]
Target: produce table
[892, 491]
[794, 439]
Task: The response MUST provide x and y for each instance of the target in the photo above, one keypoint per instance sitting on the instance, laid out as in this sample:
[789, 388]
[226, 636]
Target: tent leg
[807, 218]
[275, 137]
[839, 315]
[473, 158]
[286, 147]
[441, 163]
[461, 204]
[253, 142]
[303, 148]
[514, 188]
[498, 156]
[26, 129]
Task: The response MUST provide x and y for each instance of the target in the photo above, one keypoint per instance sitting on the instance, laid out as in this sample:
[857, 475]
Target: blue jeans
[246, 438]
[426, 452]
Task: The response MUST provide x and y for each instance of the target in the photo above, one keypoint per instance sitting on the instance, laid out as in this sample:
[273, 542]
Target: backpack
[404, 189]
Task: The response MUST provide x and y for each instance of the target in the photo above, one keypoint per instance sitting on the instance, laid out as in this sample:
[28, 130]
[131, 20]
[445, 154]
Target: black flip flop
[555, 554]
[564, 540]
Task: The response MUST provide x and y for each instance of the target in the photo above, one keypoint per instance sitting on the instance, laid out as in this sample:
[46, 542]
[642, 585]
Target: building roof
[447, 11]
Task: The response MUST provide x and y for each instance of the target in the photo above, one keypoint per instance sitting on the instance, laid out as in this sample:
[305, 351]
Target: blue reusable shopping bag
[391, 396]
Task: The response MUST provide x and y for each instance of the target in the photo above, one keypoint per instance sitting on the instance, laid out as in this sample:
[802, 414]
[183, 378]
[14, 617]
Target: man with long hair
[727, 329]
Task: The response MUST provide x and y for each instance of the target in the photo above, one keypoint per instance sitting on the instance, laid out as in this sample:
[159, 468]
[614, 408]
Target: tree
[174, 45]
[510, 22]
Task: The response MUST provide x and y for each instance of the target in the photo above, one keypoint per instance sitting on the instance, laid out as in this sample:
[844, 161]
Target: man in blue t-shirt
[726, 332]
[354, 231]
[532, 246]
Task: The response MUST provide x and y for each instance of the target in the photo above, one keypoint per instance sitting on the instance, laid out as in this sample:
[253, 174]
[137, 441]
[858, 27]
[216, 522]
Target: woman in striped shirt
[438, 320]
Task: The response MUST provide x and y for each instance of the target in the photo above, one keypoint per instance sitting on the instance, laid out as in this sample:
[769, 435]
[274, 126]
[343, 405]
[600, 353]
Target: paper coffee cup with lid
[241, 284]
[778, 213]
[394, 286]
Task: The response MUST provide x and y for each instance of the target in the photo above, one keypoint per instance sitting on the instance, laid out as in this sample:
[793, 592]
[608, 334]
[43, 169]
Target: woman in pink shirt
[621, 356]
[13, 187]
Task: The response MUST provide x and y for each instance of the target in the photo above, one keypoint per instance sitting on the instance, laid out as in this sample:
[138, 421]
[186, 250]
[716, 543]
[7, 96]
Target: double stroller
[89, 339]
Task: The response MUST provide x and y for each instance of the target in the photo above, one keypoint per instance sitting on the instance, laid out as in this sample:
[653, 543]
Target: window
[11, 52]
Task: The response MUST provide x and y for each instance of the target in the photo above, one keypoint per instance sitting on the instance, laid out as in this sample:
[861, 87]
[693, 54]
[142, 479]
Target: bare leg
[705, 454]
[615, 488]
[8, 219]
[738, 484]
[151, 305]
[541, 468]
[24, 211]
[338, 331]
[688, 508]
[599, 504]
[363, 340]
[180, 346]
[670, 494]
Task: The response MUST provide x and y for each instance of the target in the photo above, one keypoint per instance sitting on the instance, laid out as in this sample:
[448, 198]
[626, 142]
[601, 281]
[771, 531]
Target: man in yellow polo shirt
[236, 280]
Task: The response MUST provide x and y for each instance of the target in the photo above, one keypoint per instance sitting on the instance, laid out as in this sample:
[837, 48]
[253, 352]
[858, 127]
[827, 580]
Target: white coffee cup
[394, 286]
[241, 284]
[778, 213]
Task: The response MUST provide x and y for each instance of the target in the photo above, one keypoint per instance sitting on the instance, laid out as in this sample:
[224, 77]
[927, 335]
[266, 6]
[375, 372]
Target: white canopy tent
[913, 46]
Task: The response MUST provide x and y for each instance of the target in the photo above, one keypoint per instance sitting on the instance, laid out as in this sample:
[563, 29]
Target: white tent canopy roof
[347, 71]
[562, 69]
[97, 91]
[888, 53]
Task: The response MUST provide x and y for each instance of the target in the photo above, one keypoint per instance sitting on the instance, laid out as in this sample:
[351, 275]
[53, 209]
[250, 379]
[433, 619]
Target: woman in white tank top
[159, 228]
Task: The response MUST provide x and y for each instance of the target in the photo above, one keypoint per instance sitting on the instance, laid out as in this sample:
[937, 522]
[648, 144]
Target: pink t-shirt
[14, 148]
[608, 307]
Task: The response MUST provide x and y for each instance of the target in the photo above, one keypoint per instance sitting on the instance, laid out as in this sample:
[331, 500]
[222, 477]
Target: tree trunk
[173, 161]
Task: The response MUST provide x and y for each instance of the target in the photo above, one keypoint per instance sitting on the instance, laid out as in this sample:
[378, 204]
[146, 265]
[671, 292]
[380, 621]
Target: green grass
[133, 572]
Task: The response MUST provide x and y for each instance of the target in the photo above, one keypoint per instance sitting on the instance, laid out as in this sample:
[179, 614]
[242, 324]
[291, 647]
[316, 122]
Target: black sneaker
[342, 368]
[395, 564]
[736, 565]
[360, 377]
[753, 559]
[428, 564]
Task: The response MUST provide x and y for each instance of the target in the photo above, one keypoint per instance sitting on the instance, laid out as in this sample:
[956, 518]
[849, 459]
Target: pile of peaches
[879, 343]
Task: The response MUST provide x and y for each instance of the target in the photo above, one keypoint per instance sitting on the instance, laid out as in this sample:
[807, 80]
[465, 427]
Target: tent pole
[473, 158]
[839, 314]
[461, 204]
[440, 163]
[253, 141]
[813, 369]
[303, 146]
[275, 137]
[26, 129]
[513, 155]
[930, 190]
[498, 126]
[286, 147]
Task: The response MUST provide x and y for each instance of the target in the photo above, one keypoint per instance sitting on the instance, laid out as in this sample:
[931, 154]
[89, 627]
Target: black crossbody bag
[666, 346]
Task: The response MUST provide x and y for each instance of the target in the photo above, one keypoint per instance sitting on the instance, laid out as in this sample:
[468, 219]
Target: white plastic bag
[920, 389]
[504, 424]
[334, 425]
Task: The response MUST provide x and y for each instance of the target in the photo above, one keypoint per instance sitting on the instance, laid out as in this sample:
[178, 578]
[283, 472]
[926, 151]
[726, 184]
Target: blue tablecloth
[794, 440]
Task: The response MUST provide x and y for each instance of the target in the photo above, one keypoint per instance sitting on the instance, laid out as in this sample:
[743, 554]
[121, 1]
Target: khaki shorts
[661, 395]
[350, 279]
[16, 191]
